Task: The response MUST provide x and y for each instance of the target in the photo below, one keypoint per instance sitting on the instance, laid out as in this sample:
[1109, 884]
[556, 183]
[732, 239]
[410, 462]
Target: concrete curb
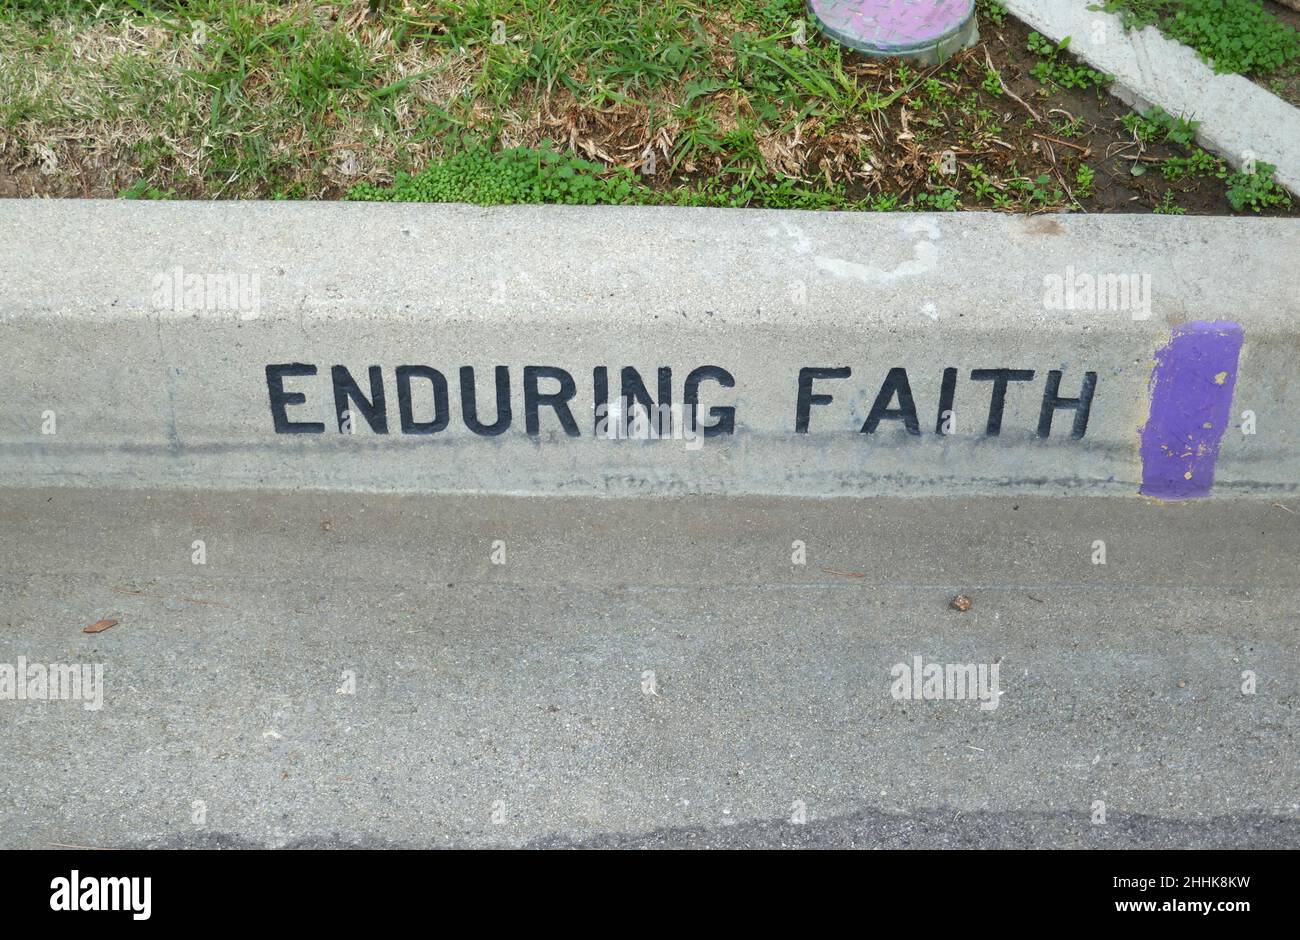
[1239, 119]
[232, 345]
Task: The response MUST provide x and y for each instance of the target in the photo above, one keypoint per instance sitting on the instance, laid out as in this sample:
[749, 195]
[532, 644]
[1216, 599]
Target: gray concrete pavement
[505, 705]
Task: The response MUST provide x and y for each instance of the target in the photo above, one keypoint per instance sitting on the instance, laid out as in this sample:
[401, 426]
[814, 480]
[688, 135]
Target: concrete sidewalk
[508, 705]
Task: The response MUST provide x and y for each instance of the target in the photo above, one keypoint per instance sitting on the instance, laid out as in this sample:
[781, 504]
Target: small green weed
[993, 10]
[143, 189]
[1054, 70]
[1199, 163]
[1084, 177]
[1167, 206]
[1256, 190]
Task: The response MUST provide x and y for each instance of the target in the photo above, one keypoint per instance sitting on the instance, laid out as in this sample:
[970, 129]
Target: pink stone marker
[925, 30]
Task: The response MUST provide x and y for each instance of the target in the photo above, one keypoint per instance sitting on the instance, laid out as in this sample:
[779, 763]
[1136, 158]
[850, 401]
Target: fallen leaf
[99, 626]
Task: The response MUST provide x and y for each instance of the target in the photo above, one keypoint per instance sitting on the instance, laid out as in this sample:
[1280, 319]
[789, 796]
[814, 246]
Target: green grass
[272, 82]
[557, 101]
[523, 175]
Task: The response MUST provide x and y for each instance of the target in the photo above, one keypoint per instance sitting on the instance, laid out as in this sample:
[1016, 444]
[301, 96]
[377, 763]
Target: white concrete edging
[1239, 119]
[214, 345]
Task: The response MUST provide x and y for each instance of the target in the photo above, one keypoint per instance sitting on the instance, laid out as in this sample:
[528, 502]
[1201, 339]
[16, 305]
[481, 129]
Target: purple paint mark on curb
[1191, 404]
